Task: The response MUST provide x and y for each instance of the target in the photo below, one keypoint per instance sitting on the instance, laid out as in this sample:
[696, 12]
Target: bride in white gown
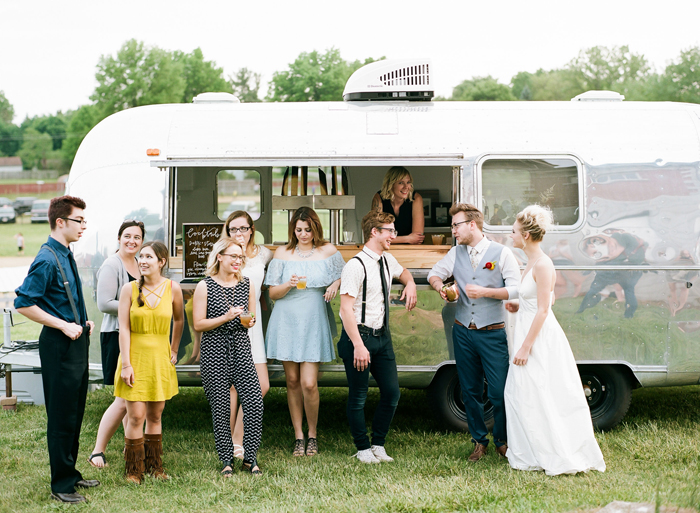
[548, 421]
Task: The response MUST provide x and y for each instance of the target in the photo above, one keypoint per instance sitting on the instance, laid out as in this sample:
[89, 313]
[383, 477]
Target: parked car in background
[23, 205]
[5, 202]
[7, 214]
[40, 211]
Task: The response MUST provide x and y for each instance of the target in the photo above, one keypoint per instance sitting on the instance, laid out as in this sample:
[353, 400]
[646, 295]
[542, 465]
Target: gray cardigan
[111, 277]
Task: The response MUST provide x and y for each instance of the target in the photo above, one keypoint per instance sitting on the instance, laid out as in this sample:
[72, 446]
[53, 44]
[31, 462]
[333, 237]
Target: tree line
[141, 75]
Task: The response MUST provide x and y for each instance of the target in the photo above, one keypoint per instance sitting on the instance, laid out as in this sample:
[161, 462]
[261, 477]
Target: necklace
[306, 254]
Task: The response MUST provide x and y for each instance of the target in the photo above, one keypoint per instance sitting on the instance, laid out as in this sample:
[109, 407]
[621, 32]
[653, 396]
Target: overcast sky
[49, 49]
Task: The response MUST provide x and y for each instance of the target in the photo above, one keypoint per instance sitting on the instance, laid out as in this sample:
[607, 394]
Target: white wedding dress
[548, 420]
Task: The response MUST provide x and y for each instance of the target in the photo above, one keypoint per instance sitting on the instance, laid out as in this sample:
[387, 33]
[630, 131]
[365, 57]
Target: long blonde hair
[392, 176]
[219, 247]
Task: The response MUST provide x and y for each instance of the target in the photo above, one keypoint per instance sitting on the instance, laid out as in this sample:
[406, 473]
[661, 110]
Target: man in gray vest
[486, 274]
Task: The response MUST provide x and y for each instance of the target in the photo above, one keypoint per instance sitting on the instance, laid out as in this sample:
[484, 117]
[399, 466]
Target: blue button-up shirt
[43, 286]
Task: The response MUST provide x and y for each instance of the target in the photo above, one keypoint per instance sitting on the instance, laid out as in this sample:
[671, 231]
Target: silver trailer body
[623, 179]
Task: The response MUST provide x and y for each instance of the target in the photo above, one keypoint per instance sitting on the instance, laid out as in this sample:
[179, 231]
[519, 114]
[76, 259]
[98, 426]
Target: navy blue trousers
[479, 354]
[64, 372]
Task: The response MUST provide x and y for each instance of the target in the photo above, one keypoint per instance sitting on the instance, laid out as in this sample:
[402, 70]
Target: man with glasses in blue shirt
[52, 295]
[486, 274]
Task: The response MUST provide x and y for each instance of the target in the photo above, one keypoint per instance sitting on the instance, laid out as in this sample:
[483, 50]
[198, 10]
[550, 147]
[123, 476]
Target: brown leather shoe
[479, 452]
[501, 450]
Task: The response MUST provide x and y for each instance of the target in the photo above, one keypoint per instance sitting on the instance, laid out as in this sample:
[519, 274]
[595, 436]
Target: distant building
[11, 164]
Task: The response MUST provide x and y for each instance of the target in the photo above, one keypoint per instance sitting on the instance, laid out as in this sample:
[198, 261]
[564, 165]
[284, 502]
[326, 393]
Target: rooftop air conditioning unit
[395, 79]
[215, 98]
[599, 96]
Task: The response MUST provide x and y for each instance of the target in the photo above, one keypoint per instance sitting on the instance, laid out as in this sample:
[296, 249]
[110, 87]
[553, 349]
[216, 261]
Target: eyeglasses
[242, 229]
[455, 225]
[390, 230]
[82, 222]
[234, 257]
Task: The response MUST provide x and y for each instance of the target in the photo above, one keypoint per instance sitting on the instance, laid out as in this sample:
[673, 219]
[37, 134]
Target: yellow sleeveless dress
[155, 378]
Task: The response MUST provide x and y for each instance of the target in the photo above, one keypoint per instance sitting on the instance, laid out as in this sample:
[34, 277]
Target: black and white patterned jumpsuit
[226, 360]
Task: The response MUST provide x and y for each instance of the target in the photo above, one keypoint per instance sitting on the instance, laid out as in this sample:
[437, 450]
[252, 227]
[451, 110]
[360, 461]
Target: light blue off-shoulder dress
[301, 326]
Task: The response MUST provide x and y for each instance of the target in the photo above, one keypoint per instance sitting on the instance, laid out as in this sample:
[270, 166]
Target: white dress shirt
[353, 277]
[510, 270]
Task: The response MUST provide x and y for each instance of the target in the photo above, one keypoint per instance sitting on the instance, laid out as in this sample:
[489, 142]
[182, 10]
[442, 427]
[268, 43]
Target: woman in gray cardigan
[117, 270]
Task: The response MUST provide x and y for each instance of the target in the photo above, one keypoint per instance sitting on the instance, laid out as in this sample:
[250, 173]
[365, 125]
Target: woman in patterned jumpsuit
[226, 359]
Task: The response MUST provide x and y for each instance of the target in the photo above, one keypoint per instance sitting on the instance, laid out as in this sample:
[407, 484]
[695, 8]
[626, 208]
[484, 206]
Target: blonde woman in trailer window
[398, 199]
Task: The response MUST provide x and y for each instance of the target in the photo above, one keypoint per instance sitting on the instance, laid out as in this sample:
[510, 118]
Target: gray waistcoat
[482, 311]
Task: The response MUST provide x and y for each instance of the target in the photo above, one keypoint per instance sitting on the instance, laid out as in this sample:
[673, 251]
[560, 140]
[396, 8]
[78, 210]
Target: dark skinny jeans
[383, 369]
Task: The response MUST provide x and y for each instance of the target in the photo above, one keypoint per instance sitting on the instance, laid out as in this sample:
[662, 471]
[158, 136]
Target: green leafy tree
[554, 85]
[53, 125]
[482, 89]
[200, 76]
[681, 80]
[7, 111]
[81, 122]
[313, 76]
[138, 76]
[36, 148]
[10, 139]
[519, 83]
[614, 69]
[246, 85]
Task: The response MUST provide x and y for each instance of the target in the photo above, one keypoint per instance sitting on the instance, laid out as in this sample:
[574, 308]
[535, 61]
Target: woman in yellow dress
[147, 360]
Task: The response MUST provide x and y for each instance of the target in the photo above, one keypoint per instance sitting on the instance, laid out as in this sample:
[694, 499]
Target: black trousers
[382, 366]
[64, 370]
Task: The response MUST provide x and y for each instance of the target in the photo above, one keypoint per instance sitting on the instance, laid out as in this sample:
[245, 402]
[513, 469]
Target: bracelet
[125, 367]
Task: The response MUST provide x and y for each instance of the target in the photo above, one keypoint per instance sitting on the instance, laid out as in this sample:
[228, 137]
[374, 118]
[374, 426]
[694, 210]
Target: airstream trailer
[622, 178]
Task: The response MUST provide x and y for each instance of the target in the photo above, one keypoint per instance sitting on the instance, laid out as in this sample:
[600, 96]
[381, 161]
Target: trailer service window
[510, 184]
[238, 189]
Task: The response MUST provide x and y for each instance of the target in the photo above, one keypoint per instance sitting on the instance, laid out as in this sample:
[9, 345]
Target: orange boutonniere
[490, 265]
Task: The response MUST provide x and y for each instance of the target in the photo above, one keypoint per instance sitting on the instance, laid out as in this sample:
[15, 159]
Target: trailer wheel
[608, 392]
[445, 396]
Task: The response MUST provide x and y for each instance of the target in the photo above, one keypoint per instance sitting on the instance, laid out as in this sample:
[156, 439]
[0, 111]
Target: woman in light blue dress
[302, 278]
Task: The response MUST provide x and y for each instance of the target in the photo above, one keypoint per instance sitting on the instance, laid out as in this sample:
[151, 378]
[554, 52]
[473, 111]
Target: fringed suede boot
[134, 457]
[154, 456]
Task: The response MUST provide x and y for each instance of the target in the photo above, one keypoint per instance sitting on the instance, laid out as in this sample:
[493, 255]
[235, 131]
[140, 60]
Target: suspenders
[364, 289]
[65, 284]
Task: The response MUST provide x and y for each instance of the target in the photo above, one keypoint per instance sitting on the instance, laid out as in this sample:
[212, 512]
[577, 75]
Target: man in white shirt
[365, 343]
[486, 274]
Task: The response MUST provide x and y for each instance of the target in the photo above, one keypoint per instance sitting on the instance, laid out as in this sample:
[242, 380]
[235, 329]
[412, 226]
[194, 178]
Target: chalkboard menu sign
[197, 241]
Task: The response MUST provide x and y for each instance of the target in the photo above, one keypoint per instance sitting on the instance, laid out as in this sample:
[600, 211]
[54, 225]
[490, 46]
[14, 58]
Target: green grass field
[651, 457]
[34, 236]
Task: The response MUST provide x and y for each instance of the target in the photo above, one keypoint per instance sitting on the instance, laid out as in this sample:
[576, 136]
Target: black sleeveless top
[404, 221]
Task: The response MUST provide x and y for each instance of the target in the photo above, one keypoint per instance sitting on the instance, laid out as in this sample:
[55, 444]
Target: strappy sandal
[250, 468]
[312, 447]
[227, 470]
[298, 447]
[98, 455]
[238, 451]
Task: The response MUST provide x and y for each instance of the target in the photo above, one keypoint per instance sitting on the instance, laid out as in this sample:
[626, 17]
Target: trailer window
[510, 184]
[238, 189]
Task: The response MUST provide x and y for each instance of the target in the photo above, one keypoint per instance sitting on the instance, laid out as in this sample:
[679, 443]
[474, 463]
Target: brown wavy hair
[375, 219]
[161, 253]
[236, 215]
[310, 216]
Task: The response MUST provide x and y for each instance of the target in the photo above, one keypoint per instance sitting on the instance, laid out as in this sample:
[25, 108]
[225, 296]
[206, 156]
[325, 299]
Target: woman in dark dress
[116, 271]
[398, 199]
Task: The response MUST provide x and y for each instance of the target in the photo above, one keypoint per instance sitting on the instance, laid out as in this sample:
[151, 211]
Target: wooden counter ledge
[409, 256]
